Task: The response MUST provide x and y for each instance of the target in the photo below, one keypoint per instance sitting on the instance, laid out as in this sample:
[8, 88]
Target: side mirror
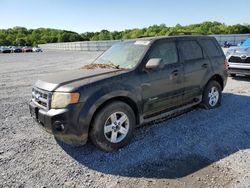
[154, 63]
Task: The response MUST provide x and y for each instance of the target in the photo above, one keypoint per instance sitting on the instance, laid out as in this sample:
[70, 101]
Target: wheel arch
[218, 78]
[124, 99]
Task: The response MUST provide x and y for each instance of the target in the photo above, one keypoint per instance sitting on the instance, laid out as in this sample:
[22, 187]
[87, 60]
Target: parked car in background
[4, 49]
[27, 49]
[37, 49]
[132, 83]
[15, 49]
[227, 44]
[246, 43]
[239, 59]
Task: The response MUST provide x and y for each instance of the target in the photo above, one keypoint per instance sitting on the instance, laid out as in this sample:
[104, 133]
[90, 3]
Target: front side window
[190, 50]
[166, 51]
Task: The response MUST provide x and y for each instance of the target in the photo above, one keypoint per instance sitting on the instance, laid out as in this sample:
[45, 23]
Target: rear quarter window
[190, 50]
[211, 48]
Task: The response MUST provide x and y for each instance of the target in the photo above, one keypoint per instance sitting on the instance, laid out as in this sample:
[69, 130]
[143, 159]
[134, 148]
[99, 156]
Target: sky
[95, 15]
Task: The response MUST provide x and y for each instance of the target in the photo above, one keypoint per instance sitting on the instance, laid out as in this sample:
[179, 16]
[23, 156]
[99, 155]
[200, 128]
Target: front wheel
[212, 95]
[113, 126]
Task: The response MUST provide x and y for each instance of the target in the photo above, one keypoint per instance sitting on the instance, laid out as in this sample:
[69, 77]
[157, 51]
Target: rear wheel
[212, 95]
[113, 126]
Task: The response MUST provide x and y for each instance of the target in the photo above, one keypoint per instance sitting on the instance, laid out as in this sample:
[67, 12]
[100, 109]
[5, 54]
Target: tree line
[22, 36]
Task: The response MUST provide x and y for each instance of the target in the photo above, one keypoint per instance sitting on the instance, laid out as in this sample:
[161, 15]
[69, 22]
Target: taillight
[226, 64]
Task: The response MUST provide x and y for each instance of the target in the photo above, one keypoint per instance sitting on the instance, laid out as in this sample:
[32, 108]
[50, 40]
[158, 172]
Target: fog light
[58, 126]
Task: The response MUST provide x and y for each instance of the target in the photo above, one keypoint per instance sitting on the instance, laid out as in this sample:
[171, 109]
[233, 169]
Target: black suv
[132, 83]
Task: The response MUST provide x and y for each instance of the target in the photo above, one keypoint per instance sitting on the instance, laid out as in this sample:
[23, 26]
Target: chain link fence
[80, 46]
[104, 45]
[233, 39]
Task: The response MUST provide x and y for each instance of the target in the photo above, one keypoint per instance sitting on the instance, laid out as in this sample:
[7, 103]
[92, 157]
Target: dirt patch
[99, 66]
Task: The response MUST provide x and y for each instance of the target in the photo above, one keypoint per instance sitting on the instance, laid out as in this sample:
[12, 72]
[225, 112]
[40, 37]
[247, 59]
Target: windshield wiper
[111, 64]
[116, 66]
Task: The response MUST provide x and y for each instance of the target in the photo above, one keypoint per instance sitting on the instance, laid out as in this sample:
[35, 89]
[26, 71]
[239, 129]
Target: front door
[162, 89]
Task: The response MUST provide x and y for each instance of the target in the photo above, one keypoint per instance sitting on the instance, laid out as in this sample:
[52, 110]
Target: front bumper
[239, 68]
[239, 71]
[60, 123]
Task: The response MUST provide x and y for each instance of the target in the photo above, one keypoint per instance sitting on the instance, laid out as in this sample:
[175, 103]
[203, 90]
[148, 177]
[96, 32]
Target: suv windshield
[123, 55]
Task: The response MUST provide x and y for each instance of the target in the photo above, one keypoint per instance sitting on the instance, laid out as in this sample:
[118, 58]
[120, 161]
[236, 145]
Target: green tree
[21, 41]
[23, 36]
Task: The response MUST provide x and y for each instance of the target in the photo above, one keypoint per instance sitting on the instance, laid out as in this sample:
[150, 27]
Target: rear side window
[211, 48]
[166, 51]
[190, 50]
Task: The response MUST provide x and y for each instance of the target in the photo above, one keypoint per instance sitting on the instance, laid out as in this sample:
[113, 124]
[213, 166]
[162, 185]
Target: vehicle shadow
[242, 78]
[176, 147]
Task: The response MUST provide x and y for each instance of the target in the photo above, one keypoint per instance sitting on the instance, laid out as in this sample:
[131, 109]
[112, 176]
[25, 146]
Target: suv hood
[239, 51]
[71, 80]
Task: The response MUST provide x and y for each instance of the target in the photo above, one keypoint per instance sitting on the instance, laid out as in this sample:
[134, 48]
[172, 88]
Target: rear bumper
[59, 122]
[18, 51]
[6, 51]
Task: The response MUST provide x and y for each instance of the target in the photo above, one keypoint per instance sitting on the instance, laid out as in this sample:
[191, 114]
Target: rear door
[215, 55]
[196, 68]
[162, 89]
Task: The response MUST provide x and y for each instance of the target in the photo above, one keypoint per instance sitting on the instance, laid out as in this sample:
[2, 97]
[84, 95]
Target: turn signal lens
[74, 98]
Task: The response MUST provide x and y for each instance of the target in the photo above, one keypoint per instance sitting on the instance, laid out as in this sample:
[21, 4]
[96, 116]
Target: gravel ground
[197, 149]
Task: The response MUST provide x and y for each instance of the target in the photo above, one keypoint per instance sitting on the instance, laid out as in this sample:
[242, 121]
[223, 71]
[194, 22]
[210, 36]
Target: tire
[212, 95]
[104, 138]
[232, 75]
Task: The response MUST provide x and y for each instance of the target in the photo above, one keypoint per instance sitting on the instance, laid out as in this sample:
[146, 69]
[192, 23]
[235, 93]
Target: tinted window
[190, 50]
[211, 48]
[166, 51]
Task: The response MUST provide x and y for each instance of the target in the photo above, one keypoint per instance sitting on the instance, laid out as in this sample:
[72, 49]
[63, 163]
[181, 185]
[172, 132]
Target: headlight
[61, 100]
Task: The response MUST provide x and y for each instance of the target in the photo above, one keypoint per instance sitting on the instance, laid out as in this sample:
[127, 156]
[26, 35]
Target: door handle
[153, 99]
[204, 66]
[145, 85]
[175, 73]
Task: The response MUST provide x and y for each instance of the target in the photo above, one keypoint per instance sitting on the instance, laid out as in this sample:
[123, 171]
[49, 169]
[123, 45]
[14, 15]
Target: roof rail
[184, 33]
[143, 36]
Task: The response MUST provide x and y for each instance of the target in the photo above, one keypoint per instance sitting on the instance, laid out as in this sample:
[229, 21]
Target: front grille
[237, 59]
[41, 97]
